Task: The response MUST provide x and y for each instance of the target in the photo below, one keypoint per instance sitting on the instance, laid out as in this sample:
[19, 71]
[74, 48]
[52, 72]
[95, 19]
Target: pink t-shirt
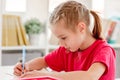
[63, 60]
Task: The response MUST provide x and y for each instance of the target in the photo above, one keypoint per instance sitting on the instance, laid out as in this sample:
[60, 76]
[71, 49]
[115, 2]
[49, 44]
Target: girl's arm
[36, 64]
[94, 73]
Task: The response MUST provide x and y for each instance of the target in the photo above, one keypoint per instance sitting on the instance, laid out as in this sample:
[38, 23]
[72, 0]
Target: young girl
[83, 55]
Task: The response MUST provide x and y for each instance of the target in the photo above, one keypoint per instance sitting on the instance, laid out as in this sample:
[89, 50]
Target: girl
[83, 54]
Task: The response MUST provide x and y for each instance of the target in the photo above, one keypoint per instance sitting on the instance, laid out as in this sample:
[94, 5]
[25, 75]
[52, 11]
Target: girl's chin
[73, 50]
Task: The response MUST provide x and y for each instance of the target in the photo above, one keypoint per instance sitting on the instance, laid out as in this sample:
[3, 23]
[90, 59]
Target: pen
[23, 59]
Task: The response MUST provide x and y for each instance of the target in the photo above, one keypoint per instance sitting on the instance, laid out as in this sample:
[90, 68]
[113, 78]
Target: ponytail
[97, 26]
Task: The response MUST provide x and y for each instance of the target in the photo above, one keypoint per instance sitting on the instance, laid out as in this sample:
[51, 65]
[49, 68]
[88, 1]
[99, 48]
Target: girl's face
[67, 38]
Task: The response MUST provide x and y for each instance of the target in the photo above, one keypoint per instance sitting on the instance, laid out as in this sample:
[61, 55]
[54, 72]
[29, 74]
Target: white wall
[0, 22]
[112, 8]
[35, 8]
[87, 3]
[0, 33]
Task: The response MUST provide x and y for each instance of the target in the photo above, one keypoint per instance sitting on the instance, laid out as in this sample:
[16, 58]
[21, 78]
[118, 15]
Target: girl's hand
[34, 73]
[18, 69]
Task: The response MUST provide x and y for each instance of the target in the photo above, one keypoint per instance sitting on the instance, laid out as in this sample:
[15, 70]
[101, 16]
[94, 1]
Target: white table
[6, 73]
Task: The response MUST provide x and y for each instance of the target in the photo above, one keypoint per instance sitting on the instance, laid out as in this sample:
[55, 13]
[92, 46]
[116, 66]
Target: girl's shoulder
[102, 43]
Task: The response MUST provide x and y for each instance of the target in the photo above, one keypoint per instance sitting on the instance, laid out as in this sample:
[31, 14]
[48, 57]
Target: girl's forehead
[59, 29]
[59, 26]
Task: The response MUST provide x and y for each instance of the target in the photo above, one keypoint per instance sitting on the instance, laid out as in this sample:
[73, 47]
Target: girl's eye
[63, 38]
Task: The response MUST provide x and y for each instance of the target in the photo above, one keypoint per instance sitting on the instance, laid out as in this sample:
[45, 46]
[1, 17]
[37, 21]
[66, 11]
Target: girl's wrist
[28, 67]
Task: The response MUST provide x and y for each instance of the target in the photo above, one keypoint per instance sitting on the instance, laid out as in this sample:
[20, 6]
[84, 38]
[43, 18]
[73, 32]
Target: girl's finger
[17, 70]
[15, 73]
[27, 74]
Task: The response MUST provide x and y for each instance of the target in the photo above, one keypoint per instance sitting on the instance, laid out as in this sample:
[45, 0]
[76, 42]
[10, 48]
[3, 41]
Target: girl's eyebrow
[61, 35]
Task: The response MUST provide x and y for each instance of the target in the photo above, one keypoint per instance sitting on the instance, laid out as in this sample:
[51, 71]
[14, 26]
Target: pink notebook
[40, 78]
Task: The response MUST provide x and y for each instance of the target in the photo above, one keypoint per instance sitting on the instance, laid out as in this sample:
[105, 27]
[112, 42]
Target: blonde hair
[72, 13]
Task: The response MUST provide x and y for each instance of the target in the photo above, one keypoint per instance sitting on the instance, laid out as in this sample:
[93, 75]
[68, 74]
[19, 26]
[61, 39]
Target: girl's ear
[81, 26]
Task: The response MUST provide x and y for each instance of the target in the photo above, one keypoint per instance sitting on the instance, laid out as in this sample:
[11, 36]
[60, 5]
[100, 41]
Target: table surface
[6, 73]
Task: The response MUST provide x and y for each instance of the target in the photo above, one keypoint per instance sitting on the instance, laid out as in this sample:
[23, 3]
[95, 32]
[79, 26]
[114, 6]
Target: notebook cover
[40, 78]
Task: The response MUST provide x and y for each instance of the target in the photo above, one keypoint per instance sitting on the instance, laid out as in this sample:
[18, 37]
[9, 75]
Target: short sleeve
[105, 56]
[55, 59]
